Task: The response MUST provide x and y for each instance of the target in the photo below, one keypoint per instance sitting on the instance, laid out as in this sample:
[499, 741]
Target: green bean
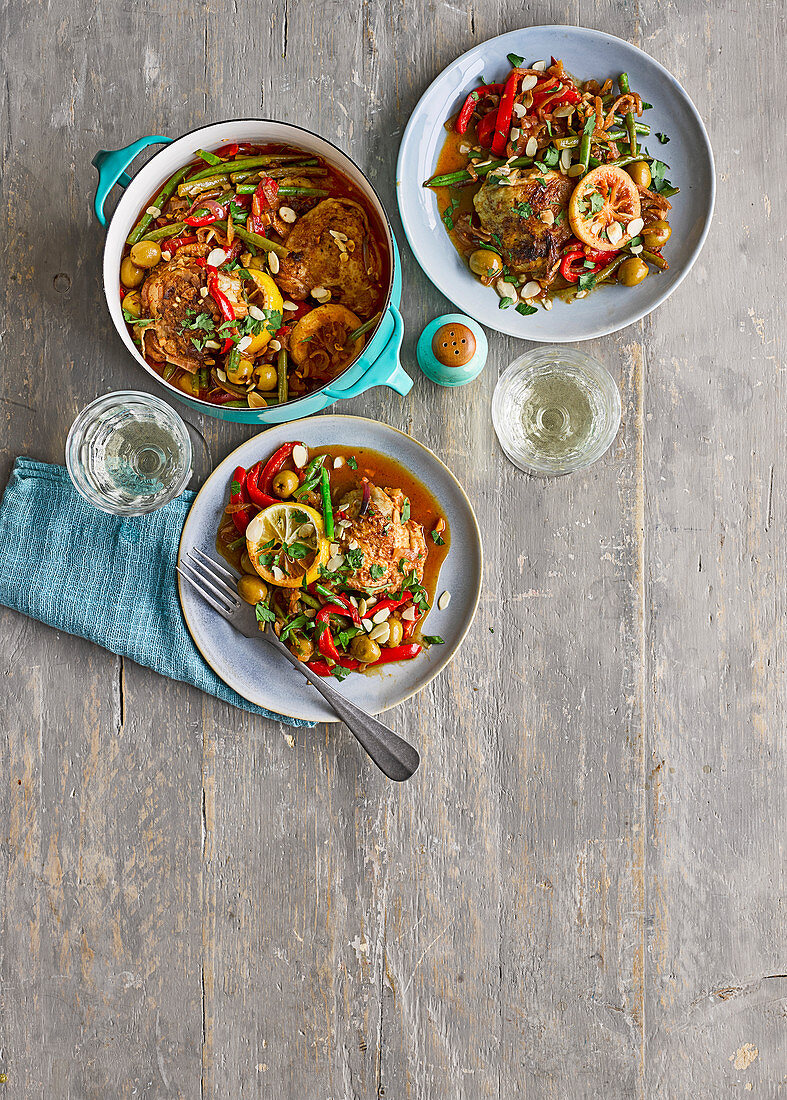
[167, 371]
[170, 230]
[241, 163]
[668, 192]
[571, 141]
[327, 507]
[191, 188]
[250, 188]
[639, 127]
[481, 170]
[235, 405]
[203, 378]
[621, 162]
[158, 203]
[569, 293]
[584, 144]
[255, 239]
[652, 258]
[281, 374]
[625, 89]
[363, 329]
[310, 601]
[209, 158]
[305, 168]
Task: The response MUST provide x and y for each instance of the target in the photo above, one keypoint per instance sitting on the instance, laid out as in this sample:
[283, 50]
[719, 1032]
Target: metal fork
[219, 587]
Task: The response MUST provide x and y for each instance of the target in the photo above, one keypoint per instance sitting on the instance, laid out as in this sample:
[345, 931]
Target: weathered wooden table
[578, 894]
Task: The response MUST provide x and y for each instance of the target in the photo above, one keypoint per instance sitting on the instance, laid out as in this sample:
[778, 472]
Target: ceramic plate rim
[295, 426]
[448, 285]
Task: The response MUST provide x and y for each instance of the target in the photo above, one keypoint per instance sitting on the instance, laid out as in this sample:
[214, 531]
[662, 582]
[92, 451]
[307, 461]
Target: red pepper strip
[322, 668]
[566, 266]
[123, 292]
[389, 603]
[398, 653]
[470, 104]
[571, 274]
[559, 94]
[214, 211]
[325, 639]
[227, 150]
[262, 500]
[599, 255]
[223, 302]
[174, 243]
[409, 625]
[504, 113]
[265, 195]
[274, 464]
[241, 518]
[293, 315]
[486, 128]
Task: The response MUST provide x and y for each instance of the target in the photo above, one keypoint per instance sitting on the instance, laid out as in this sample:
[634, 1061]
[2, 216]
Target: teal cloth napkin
[105, 578]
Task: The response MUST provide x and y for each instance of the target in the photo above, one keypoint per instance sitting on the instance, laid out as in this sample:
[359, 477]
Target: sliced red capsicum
[238, 495]
[594, 256]
[174, 243]
[221, 299]
[389, 604]
[322, 668]
[259, 477]
[325, 638]
[212, 212]
[263, 198]
[472, 101]
[505, 112]
[398, 653]
[486, 129]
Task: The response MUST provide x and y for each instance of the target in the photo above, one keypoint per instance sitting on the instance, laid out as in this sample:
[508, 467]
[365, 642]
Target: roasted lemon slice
[287, 544]
[267, 296]
[604, 204]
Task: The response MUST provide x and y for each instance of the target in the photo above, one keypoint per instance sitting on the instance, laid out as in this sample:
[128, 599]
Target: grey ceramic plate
[587, 54]
[251, 667]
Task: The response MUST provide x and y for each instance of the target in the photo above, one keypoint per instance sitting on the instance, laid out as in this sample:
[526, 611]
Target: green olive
[285, 484]
[252, 588]
[301, 647]
[132, 304]
[395, 632]
[656, 235]
[267, 379]
[146, 253]
[130, 274]
[257, 263]
[241, 372]
[640, 172]
[245, 563]
[485, 262]
[632, 272]
[364, 649]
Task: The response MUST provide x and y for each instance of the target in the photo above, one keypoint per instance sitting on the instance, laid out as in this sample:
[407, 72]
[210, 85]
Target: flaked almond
[362, 605]
[546, 303]
[504, 289]
[278, 574]
[547, 217]
[305, 529]
[256, 313]
[367, 624]
[289, 306]
[539, 66]
[214, 345]
[275, 345]
[531, 148]
[515, 133]
[273, 263]
[382, 615]
[531, 289]
[300, 456]
[257, 401]
[636, 249]
[203, 292]
[320, 294]
[576, 170]
[634, 227]
[216, 257]
[444, 601]
[529, 82]
[410, 615]
[154, 211]
[381, 633]
[614, 233]
[338, 463]
[243, 343]
[565, 159]
[287, 214]
[166, 255]
[563, 112]
[336, 562]
[519, 110]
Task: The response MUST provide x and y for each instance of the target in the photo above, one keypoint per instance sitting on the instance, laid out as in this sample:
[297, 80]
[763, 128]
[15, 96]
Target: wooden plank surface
[578, 895]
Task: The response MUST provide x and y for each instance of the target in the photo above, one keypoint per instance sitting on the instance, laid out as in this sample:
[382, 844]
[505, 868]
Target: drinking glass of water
[555, 410]
[129, 453]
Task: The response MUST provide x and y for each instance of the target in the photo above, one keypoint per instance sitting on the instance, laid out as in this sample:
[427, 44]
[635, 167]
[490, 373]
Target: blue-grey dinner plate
[586, 54]
[250, 666]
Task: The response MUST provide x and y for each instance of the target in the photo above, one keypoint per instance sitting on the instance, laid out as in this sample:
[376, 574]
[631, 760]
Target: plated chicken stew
[339, 550]
[254, 276]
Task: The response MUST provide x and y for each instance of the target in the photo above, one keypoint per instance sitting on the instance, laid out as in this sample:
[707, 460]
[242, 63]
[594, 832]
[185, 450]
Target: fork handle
[394, 756]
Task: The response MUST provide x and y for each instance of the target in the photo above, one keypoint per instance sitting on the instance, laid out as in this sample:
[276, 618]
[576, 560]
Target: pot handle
[112, 164]
[386, 370]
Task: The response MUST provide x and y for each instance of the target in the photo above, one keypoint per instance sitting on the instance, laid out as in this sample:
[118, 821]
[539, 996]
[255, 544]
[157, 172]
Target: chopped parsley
[352, 463]
[438, 539]
[264, 613]
[376, 571]
[340, 672]
[526, 309]
[662, 138]
[432, 639]
[587, 281]
[504, 303]
[406, 510]
[658, 175]
[596, 202]
[523, 210]
[515, 60]
[448, 214]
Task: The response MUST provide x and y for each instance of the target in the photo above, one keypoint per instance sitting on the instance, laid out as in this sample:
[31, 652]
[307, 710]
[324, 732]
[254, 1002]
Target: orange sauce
[451, 160]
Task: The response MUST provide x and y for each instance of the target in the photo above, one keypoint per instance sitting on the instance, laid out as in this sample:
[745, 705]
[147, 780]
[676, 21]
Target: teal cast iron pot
[377, 365]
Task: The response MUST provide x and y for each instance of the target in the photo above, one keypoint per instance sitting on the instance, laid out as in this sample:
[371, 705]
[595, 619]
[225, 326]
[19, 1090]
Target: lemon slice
[268, 296]
[602, 206]
[287, 544]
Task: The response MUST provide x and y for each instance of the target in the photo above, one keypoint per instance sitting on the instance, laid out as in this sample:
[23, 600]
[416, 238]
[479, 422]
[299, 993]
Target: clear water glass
[129, 453]
[555, 410]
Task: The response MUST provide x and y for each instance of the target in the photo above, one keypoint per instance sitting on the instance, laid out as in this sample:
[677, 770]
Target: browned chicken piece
[168, 294]
[653, 207]
[316, 244]
[383, 537]
[511, 215]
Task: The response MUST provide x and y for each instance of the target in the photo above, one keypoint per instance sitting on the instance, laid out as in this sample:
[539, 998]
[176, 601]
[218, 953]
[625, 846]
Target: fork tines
[207, 577]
